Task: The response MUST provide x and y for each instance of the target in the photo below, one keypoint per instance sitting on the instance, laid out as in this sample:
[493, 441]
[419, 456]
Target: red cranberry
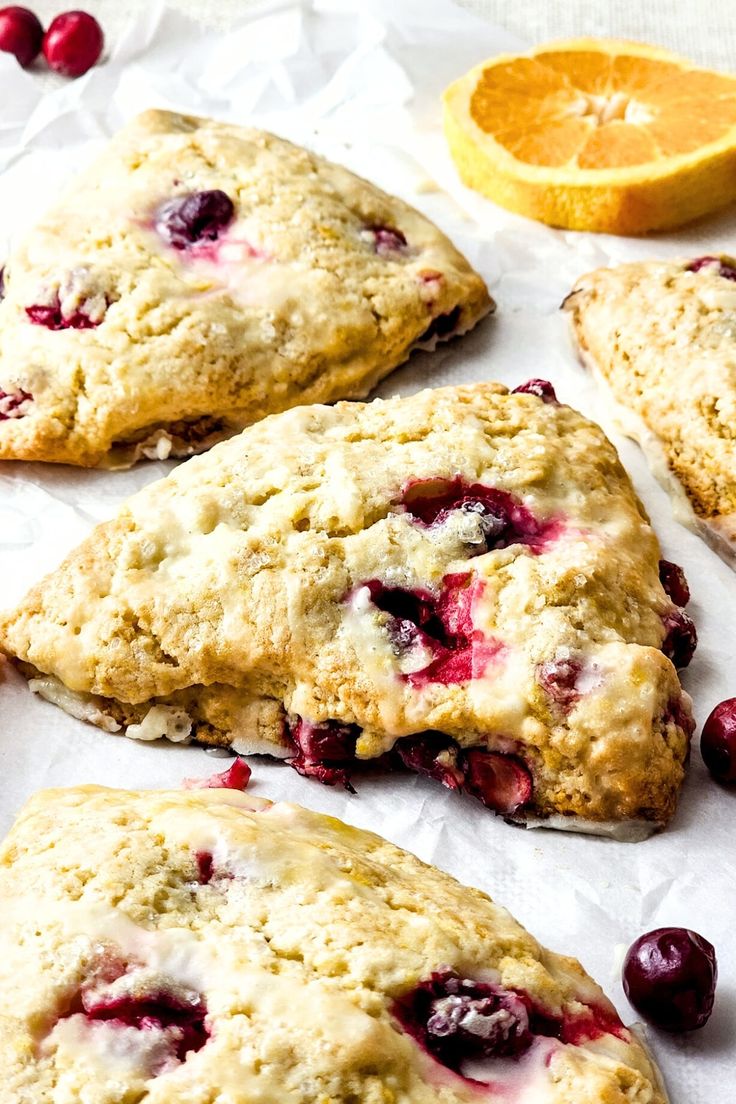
[558, 677]
[502, 782]
[236, 777]
[441, 326]
[673, 580]
[155, 1010]
[387, 240]
[726, 266]
[52, 318]
[73, 43]
[433, 754]
[681, 638]
[12, 404]
[543, 389]
[205, 867]
[324, 751]
[199, 216]
[2, 282]
[718, 741]
[20, 33]
[669, 976]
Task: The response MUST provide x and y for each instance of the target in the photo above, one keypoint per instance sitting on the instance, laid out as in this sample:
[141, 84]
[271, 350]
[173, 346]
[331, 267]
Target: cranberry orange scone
[461, 583]
[661, 338]
[183, 948]
[201, 275]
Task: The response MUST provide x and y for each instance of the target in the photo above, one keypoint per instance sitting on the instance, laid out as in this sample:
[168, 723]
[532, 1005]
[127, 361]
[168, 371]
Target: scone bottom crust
[214, 942]
[427, 633]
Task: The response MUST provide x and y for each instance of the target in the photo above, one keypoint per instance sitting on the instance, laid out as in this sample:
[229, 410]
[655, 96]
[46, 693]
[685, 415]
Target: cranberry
[156, 1010]
[670, 977]
[718, 741]
[503, 519]
[558, 677]
[456, 1018]
[205, 867]
[543, 389]
[433, 754]
[323, 751]
[52, 318]
[673, 580]
[681, 638]
[236, 777]
[387, 240]
[199, 216]
[73, 43]
[441, 326]
[20, 33]
[13, 404]
[2, 282]
[502, 782]
[726, 266]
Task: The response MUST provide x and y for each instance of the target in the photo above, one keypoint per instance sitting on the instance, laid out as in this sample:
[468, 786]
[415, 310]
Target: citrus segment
[596, 134]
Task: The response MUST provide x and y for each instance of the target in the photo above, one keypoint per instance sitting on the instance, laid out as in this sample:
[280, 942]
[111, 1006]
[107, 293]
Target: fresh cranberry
[387, 240]
[52, 318]
[20, 33]
[205, 867]
[157, 1010]
[673, 580]
[502, 782]
[681, 638]
[543, 389]
[726, 266]
[718, 741]
[558, 677]
[197, 217]
[503, 519]
[441, 326]
[456, 1018]
[433, 754]
[13, 403]
[324, 751]
[73, 43]
[669, 976]
[676, 712]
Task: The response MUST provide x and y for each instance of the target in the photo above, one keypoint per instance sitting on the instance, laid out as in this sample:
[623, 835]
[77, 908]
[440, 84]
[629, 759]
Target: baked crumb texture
[188, 948]
[661, 337]
[201, 275]
[461, 583]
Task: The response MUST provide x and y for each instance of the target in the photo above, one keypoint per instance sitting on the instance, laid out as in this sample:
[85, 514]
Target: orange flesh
[601, 111]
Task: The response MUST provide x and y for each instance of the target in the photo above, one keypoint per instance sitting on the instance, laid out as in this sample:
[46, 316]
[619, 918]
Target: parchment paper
[360, 82]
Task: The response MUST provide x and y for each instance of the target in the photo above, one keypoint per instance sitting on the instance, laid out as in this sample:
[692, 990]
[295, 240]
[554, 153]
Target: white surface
[361, 84]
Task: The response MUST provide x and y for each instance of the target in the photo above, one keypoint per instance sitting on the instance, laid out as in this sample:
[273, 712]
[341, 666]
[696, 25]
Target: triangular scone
[200, 276]
[462, 583]
[661, 339]
[189, 947]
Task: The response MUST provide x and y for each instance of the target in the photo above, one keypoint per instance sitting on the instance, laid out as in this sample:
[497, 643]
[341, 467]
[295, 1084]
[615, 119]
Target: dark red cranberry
[726, 266]
[2, 282]
[677, 713]
[205, 867]
[558, 677]
[502, 782]
[236, 777]
[21, 34]
[157, 1010]
[433, 754]
[387, 240]
[718, 741]
[670, 976]
[73, 43]
[503, 519]
[543, 389]
[456, 1018]
[11, 403]
[681, 638]
[324, 751]
[441, 326]
[199, 216]
[673, 580]
[52, 318]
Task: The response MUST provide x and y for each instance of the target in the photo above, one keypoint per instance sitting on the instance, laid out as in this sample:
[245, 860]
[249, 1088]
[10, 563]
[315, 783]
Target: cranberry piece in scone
[542, 388]
[673, 580]
[681, 638]
[197, 217]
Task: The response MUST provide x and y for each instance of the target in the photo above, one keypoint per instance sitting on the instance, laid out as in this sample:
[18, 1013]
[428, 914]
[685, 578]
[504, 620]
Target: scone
[661, 338]
[187, 948]
[202, 275]
[461, 583]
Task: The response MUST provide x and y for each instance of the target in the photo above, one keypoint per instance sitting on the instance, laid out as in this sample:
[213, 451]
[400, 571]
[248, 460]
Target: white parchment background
[360, 82]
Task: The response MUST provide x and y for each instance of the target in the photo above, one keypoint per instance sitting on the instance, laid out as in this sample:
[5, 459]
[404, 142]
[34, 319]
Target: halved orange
[596, 134]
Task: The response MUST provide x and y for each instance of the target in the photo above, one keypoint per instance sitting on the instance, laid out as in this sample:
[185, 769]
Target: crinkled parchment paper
[360, 82]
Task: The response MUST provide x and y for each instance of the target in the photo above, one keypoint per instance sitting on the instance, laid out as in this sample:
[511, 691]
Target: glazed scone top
[179, 947]
[315, 287]
[265, 576]
[663, 336]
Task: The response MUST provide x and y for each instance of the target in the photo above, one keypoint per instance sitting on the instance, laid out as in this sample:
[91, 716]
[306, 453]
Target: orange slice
[595, 134]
